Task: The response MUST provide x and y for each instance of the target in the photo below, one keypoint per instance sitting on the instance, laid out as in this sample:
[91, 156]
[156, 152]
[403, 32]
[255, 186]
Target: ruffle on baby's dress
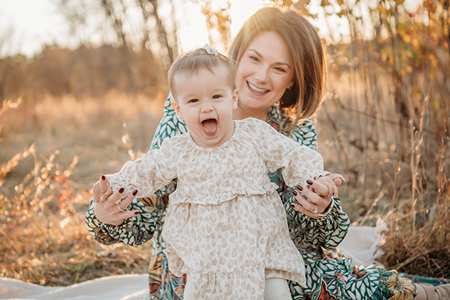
[246, 284]
[260, 189]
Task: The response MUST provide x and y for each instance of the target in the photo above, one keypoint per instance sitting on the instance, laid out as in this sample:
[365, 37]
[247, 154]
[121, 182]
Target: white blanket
[360, 243]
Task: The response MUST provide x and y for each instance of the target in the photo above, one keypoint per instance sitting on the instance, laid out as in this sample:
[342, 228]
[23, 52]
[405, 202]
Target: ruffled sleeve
[298, 163]
[154, 170]
[327, 232]
[148, 223]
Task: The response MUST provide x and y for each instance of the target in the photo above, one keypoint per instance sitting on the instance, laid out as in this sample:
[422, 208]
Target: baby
[225, 226]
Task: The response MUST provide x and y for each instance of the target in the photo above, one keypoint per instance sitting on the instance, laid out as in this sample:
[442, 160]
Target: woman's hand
[318, 192]
[102, 189]
[111, 209]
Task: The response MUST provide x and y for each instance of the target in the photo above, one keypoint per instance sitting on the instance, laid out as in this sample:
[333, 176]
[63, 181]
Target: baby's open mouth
[209, 126]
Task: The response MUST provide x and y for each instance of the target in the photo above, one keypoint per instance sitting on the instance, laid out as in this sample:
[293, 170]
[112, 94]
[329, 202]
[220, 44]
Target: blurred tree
[132, 22]
[218, 20]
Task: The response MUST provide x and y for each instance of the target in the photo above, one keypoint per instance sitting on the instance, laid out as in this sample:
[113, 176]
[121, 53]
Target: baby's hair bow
[210, 49]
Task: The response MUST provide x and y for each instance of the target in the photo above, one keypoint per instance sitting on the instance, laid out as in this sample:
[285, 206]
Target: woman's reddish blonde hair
[305, 96]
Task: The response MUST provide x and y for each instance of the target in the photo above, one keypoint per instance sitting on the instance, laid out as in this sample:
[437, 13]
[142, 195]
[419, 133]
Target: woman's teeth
[262, 91]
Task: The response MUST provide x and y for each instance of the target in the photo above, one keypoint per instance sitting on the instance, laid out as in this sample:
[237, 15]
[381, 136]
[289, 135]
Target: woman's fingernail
[135, 192]
[136, 212]
[294, 192]
[299, 187]
[103, 177]
[292, 205]
[310, 182]
[121, 190]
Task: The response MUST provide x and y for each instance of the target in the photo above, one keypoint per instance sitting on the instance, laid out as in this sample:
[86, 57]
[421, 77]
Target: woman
[281, 78]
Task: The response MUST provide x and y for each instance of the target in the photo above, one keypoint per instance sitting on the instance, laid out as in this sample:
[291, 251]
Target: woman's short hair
[197, 59]
[305, 96]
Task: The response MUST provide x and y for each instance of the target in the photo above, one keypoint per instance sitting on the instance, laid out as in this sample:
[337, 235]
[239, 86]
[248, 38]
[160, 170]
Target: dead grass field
[43, 238]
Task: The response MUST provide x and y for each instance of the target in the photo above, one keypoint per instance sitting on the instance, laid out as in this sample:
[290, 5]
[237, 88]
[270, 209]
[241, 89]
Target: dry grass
[45, 189]
[396, 172]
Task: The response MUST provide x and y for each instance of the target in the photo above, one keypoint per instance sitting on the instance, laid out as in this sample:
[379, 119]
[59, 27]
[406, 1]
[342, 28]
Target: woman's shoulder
[305, 133]
[169, 126]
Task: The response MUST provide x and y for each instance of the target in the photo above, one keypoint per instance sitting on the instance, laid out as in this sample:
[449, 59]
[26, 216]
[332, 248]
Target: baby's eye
[193, 101]
[217, 96]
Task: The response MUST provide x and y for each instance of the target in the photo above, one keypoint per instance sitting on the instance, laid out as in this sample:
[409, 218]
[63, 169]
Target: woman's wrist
[327, 210]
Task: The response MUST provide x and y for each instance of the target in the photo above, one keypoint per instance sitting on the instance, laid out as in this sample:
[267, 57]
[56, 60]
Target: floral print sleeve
[134, 231]
[327, 232]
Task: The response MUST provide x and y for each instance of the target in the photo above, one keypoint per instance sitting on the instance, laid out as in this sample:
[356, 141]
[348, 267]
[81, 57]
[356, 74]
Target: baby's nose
[207, 107]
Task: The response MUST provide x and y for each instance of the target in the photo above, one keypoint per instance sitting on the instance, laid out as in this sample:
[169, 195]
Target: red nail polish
[299, 187]
[121, 190]
[292, 205]
[310, 182]
[294, 192]
[103, 177]
[136, 212]
[135, 192]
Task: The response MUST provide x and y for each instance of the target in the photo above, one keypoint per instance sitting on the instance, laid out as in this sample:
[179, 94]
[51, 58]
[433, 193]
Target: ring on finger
[315, 211]
[118, 205]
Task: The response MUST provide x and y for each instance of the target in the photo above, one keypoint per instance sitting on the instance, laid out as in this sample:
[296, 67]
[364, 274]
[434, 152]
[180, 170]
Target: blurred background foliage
[82, 112]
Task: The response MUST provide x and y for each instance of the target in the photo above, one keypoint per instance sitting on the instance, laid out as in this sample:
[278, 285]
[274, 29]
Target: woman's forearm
[134, 231]
[328, 231]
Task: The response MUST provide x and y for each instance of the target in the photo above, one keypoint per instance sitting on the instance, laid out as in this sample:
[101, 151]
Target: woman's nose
[262, 74]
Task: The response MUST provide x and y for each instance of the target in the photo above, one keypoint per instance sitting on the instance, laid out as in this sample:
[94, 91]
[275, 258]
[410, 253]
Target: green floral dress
[329, 275]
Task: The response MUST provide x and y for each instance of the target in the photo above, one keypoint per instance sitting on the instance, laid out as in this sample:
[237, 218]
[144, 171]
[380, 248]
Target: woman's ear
[235, 98]
[177, 110]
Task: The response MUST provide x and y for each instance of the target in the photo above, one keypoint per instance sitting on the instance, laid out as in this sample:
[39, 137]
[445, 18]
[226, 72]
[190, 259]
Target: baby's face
[206, 102]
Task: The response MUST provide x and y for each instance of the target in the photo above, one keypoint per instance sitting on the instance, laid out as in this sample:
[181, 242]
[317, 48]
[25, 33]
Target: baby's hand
[325, 186]
[102, 189]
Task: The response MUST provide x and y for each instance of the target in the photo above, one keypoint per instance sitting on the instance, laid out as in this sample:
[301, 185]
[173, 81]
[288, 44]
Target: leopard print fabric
[226, 225]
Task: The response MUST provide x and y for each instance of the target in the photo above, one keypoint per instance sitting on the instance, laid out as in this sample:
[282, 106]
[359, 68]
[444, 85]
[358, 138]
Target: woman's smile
[256, 89]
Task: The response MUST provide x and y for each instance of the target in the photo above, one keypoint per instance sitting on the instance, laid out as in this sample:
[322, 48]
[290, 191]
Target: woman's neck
[240, 114]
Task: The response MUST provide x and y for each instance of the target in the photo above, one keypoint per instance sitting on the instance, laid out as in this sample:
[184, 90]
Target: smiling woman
[266, 70]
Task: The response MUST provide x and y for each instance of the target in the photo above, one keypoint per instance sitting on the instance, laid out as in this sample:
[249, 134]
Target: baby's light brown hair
[197, 59]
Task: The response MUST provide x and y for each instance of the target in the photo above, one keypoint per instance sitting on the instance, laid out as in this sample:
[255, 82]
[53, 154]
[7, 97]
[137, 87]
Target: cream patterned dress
[226, 225]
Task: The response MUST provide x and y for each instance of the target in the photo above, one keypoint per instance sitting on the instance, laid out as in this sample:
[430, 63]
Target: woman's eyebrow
[277, 63]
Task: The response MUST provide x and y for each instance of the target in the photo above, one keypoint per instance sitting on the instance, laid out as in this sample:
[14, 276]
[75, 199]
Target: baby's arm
[327, 231]
[154, 170]
[298, 163]
[300, 167]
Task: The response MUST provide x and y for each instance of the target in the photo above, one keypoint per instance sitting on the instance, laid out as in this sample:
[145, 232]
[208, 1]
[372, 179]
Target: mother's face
[265, 71]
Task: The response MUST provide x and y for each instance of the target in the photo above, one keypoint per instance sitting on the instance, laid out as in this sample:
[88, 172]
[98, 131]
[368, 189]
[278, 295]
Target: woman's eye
[280, 69]
[254, 58]
[217, 96]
